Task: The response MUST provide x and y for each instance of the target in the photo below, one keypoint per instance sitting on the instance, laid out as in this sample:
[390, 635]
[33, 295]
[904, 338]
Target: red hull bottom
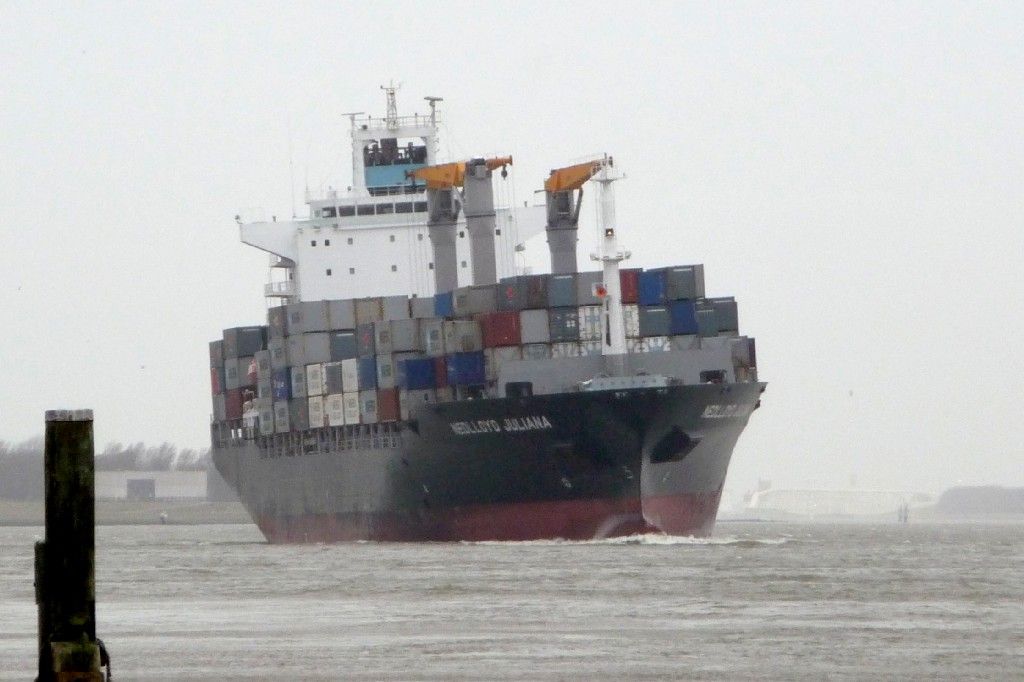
[683, 514]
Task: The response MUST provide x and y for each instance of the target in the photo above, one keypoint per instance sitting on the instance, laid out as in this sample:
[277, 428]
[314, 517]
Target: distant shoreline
[134, 512]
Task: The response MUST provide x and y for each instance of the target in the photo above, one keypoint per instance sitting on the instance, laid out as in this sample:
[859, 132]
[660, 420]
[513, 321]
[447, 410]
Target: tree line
[21, 464]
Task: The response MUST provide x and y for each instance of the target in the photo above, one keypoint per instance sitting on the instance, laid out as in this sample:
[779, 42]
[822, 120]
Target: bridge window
[364, 209]
[384, 209]
[346, 211]
[403, 207]
[328, 212]
[420, 207]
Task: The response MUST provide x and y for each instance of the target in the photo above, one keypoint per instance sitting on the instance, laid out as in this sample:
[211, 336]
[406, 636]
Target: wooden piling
[65, 560]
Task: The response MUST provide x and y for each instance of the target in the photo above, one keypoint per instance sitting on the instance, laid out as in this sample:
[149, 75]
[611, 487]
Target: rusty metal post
[65, 560]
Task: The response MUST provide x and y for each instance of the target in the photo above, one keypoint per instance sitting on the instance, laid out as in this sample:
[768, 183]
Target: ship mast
[613, 341]
[391, 116]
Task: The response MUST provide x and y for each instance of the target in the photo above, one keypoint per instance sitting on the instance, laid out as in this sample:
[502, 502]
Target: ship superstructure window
[351, 271]
[364, 209]
[350, 240]
[392, 238]
[384, 209]
[498, 232]
[419, 237]
[463, 263]
[346, 211]
[403, 207]
[327, 242]
[462, 234]
[394, 268]
[430, 266]
[328, 272]
[420, 206]
[328, 212]
[312, 242]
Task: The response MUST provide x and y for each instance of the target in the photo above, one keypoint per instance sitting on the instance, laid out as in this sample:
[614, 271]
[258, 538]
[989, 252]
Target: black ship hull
[574, 465]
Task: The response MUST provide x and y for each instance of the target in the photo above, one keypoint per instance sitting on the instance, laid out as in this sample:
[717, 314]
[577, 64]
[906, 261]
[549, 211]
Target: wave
[644, 539]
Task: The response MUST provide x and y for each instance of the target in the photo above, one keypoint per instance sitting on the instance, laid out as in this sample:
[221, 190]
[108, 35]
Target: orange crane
[564, 212]
[447, 175]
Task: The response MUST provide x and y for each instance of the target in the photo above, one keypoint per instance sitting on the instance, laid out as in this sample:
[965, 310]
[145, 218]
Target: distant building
[798, 503]
[151, 485]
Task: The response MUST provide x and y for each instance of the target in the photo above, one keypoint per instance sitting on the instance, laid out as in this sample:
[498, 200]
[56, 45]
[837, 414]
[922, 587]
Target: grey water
[756, 601]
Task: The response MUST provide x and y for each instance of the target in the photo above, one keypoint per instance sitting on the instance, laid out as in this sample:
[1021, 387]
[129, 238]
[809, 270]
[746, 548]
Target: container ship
[413, 382]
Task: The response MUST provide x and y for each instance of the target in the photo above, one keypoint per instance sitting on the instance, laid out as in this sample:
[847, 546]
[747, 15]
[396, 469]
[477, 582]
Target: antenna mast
[392, 112]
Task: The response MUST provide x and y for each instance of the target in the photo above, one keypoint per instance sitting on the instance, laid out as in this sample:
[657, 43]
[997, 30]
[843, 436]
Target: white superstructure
[372, 240]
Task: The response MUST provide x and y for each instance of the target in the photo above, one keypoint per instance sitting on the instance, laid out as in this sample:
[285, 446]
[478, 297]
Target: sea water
[756, 601]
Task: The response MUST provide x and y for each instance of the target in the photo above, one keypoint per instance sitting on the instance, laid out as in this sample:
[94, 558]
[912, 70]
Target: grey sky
[851, 172]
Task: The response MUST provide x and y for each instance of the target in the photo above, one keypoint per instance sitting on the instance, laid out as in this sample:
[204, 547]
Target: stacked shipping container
[372, 360]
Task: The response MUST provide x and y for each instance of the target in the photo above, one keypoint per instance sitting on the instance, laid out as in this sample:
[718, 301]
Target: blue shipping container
[367, 373]
[281, 384]
[652, 287]
[466, 369]
[417, 374]
[444, 305]
[684, 317]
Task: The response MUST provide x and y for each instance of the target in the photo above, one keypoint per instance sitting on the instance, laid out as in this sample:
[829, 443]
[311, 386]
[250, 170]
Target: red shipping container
[500, 329]
[629, 281]
[441, 372]
[233, 403]
[387, 405]
[215, 384]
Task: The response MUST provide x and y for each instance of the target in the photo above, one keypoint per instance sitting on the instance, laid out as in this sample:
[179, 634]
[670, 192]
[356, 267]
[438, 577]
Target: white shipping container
[536, 351]
[495, 358]
[650, 344]
[314, 380]
[686, 342]
[317, 418]
[368, 407]
[714, 341]
[395, 307]
[266, 420]
[534, 326]
[422, 307]
[334, 409]
[432, 337]
[462, 336]
[263, 369]
[591, 322]
[631, 320]
[282, 417]
[566, 349]
[342, 313]
[298, 382]
[386, 371]
[350, 402]
[350, 375]
[406, 400]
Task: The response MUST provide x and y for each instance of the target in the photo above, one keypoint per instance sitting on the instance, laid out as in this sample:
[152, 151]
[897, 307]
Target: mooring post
[65, 559]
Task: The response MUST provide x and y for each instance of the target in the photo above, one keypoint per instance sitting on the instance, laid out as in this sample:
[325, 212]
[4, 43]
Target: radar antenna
[432, 101]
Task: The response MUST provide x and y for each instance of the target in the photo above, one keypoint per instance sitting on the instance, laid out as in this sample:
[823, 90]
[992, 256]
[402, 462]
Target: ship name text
[507, 425]
[726, 411]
